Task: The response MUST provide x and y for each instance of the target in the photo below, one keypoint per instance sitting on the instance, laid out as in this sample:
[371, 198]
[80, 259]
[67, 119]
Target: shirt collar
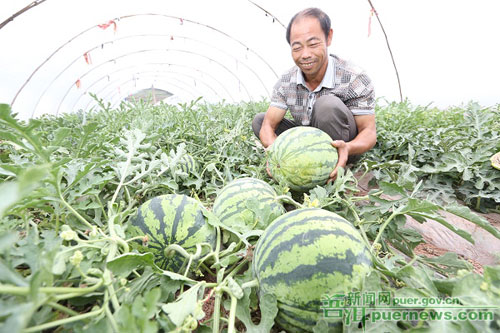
[328, 79]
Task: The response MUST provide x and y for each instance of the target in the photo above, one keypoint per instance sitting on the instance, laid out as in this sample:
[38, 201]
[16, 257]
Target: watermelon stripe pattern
[187, 164]
[304, 255]
[232, 200]
[171, 219]
[302, 158]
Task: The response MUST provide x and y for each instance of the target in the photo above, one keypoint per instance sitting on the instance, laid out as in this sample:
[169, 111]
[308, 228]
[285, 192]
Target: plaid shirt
[342, 79]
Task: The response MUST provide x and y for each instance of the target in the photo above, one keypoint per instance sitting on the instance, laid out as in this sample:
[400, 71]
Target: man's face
[310, 47]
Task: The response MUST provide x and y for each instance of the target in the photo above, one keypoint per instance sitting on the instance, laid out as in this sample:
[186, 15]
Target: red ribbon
[372, 11]
[87, 58]
[104, 26]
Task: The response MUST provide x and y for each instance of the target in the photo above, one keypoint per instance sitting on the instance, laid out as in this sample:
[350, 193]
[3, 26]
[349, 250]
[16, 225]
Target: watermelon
[170, 219]
[304, 255]
[187, 164]
[302, 158]
[232, 202]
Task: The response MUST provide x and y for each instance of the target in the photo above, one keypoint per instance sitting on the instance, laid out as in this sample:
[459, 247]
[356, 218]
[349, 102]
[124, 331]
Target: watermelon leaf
[452, 262]
[124, 264]
[466, 213]
[186, 305]
[268, 308]
[137, 317]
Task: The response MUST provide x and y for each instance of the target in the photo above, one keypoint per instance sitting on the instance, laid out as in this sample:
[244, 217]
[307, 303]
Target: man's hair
[322, 17]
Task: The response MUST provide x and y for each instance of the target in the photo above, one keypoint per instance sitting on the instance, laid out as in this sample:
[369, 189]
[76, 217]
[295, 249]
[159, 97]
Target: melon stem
[169, 250]
[288, 199]
[232, 314]
[250, 284]
[217, 303]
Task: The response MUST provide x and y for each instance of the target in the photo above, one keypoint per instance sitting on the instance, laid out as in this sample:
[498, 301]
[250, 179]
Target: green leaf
[20, 315]
[268, 308]
[462, 233]
[421, 206]
[451, 261]
[127, 322]
[418, 279]
[14, 191]
[11, 276]
[151, 299]
[124, 264]
[186, 305]
[473, 290]
[393, 189]
[466, 213]
[32, 140]
[9, 195]
[178, 277]
[7, 240]
[59, 264]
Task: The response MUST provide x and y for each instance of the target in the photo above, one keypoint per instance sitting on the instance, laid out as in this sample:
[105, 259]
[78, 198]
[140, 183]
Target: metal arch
[130, 16]
[193, 93]
[22, 11]
[144, 35]
[161, 64]
[209, 27]
[149, 50]
[267, 13]
[162, 72]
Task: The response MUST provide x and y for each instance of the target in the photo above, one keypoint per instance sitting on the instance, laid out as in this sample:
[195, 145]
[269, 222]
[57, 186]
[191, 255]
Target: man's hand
[343, 152]
[267, 169]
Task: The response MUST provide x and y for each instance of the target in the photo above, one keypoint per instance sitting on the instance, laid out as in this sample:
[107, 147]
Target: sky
[54, 56]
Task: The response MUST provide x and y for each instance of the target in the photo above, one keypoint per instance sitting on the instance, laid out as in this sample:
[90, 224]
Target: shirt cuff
[279, 105]
[362, 112]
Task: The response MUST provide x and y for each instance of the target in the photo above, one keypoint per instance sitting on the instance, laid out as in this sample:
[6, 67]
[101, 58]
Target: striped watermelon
[230, 206]
[304, 255]
[171, 219]
[187, 164]
[302, 157]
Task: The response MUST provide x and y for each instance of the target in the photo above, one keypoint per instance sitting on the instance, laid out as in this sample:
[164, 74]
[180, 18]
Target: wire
[25, 9]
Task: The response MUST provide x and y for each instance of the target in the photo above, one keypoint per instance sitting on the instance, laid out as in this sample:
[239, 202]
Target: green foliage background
[69, 184]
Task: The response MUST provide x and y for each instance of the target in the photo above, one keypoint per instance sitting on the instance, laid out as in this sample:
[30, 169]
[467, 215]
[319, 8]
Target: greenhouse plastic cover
[60, 54]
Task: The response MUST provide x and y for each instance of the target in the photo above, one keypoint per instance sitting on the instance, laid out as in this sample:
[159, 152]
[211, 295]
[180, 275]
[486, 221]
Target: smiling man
[323, 91]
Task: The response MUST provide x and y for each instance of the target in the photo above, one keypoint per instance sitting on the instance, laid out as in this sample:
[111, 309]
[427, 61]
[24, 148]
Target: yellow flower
[314, 203]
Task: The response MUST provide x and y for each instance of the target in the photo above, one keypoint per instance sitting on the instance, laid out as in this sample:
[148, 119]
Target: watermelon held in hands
[171, 219]
[305, 255]
[234, 203]
[302, 158]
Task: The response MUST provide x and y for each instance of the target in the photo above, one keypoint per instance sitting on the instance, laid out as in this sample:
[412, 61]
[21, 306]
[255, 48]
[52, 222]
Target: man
[322, 91]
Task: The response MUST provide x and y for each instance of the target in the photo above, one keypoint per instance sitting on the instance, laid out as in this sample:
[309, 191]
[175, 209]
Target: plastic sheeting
[57, 54]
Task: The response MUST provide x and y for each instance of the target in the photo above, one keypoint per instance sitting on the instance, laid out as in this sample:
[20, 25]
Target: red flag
[372, 11]
[78, 83]
[104, 26]
[87, 58]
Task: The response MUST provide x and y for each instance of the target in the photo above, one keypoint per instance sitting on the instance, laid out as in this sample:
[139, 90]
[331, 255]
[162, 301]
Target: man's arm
[364, 141]
[271, 121]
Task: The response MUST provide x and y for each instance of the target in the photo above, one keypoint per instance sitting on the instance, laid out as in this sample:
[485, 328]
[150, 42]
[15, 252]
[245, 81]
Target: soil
[431, 251]
[432, 248]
